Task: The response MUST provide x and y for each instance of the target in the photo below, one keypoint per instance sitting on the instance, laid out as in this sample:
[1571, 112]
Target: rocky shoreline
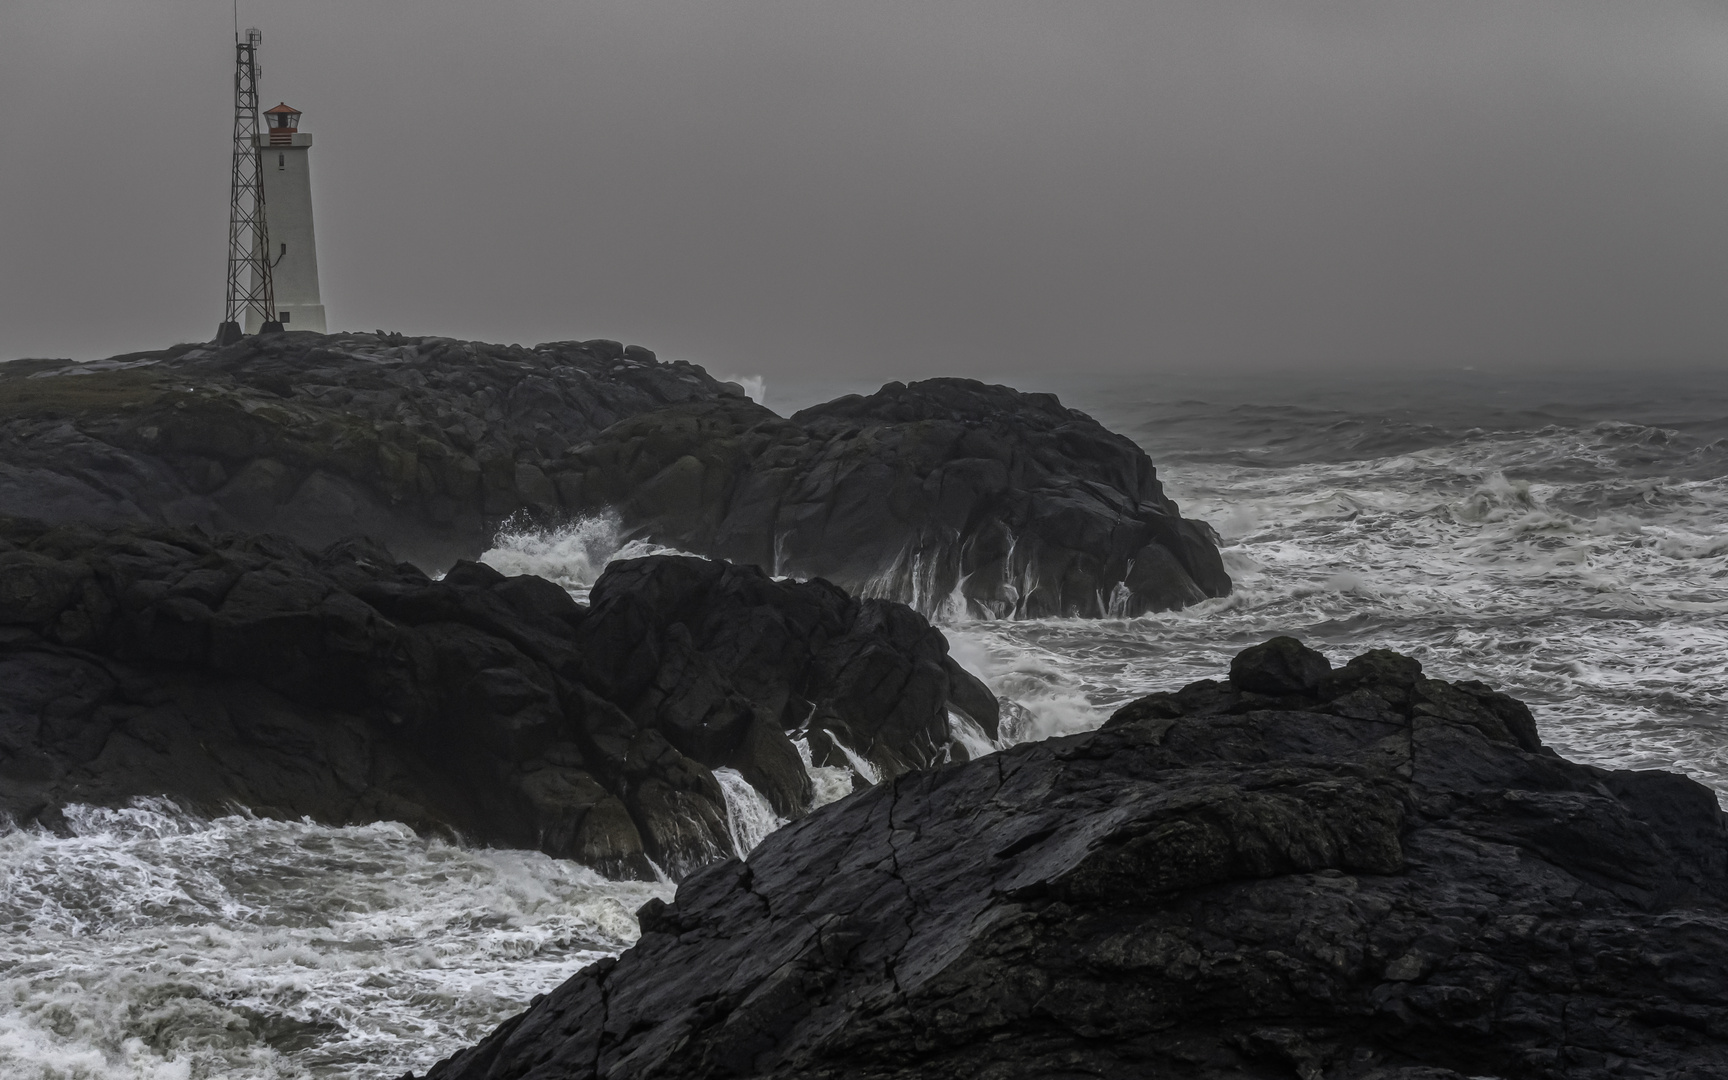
[347, 687]
[950, 495]
[423, 444]
[1303, 871]
[944, 494]
[1353, 873]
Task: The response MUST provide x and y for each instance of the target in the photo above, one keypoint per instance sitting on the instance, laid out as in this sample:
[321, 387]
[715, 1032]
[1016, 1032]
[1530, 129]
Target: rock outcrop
[346, 687]
[1302, 872]
[945, 493]
[423, 444]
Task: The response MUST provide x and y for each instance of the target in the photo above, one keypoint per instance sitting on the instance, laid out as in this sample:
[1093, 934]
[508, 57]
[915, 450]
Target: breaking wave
[1575, 559]
[1574, 553]
[574, 554]
[151, 943]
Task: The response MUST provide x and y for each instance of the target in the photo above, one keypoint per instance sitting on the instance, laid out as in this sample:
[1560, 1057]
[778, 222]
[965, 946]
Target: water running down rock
[947, 492]
[345, 687]
[1353, 873]
[951, 495]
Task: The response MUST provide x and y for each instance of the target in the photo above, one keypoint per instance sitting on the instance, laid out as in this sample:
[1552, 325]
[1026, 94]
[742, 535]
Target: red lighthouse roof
[284, 122]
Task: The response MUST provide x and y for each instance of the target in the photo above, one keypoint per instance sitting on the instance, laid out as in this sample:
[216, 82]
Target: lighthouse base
[293, 317]
[228, 333]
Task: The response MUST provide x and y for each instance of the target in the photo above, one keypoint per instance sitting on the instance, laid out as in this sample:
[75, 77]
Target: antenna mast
[250, 288]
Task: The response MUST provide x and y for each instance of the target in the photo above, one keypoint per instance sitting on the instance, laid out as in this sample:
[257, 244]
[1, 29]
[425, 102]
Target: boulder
[1278, 667]
[948, 494]
[348, 687]
[1358, 873]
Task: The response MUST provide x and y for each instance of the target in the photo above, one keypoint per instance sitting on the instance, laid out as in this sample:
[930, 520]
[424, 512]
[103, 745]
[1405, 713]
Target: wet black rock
[1350, 874]
[944, 492]
[424, 444]
[347, 687]
[1280, 666]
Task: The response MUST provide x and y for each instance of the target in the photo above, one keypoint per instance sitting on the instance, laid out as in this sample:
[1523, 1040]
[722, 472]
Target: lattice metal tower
[250, 289]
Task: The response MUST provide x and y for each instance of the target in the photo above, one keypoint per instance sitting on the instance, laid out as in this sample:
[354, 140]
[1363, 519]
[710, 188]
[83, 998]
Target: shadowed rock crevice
[347, 687]
[1355, 873]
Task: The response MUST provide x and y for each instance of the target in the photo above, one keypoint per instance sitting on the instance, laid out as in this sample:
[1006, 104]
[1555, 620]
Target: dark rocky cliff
[423, 444]
[343, 686]
[1351, 874]
[947, 491]
[943, 492]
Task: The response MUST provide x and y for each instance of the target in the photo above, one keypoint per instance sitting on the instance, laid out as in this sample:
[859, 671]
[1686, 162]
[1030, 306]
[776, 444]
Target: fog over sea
[1562, 536]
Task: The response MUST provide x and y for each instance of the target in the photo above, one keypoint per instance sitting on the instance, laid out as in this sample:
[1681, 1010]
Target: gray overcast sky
[901, 186]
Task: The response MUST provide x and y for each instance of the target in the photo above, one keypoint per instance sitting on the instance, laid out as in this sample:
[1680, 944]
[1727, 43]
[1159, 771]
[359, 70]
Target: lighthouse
[284, 172]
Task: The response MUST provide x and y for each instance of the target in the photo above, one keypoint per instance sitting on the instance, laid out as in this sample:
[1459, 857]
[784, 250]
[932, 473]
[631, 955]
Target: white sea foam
[1599, 597]
[749, 817]
[828, 783]
[1041, 694]
[860, 764]
[971, 736]
[151, 943]
[574, 554]
[1580, 565]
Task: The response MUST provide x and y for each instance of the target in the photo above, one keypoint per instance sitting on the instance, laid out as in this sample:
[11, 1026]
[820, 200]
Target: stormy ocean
[1561, 536]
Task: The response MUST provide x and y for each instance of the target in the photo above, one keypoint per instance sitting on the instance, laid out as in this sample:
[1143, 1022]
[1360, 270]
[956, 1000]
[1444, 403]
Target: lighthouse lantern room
[284, 122]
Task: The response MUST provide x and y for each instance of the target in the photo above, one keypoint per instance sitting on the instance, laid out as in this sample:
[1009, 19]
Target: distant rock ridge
[947, 494]
[1357, 873]
[246, 670]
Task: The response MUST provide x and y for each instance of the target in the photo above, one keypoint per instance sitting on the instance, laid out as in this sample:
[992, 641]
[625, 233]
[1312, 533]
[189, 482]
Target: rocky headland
[422, 444]
[346, 686]
[945, 494]
[948, 494]
[1303, 871]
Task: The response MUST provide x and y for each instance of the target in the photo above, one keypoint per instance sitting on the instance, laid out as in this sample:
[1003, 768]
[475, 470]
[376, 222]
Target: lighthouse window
[281, 161]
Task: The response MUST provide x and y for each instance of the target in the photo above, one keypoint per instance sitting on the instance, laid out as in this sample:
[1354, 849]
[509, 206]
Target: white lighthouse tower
[284, 170]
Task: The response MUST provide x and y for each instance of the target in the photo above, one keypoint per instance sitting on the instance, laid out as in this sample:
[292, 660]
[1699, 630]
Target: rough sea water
[1562, 536]
[156, 945]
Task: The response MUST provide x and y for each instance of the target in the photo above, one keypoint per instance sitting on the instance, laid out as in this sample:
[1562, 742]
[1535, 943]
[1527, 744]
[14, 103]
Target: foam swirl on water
[1575, 555]
[152, 943]
[1580, 563]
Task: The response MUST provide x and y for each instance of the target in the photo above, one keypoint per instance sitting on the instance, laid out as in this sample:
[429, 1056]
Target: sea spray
[573, 554]
[149, 942]
[1579, 562]
[755, 387]
[860, 764]
[828, 783]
